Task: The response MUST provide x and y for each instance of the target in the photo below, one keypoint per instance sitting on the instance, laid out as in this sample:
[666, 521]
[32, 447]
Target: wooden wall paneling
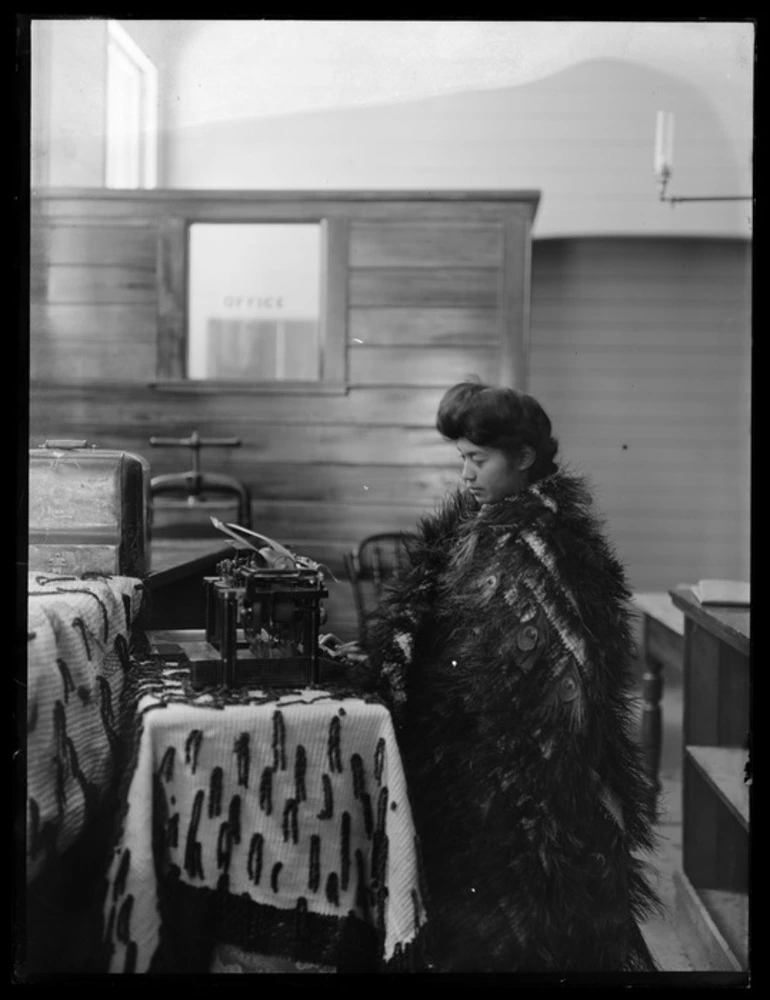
[39, 243]
[683, 287]
[172, 261]
[562, 388]
[674, 550]
[406, 244]
[735, 693]
[334, 301]
[355, 484]
[651, 503]
[426, 327]
[701, 842]
[734, 876]
[678, 524]
[302, 445]
[150, 407]
[651, 364]
[420, 365]
[712, 552]
[330, 553]
[671, 560]
[290, 522]
[649, 317]
[146, 412]
[645, 568]
[718, 340]
[423, 296]
[108, 323]
[340, 610]
[293, 522]
[608, 427]
[129, 243]
[251, 206]
[85, 358]
[701, 691]
[279, 483]
[648, 466]
[80, 284]
[38, 278]
[474, 287]
[641, 406]
[713, 258]
[685, 366]
[91, 314]
[514, 311]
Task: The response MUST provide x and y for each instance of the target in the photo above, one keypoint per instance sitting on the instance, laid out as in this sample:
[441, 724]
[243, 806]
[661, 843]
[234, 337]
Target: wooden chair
[370, 566]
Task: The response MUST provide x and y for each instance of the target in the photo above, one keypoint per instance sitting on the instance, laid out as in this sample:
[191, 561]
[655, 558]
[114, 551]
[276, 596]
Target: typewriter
[263, 617]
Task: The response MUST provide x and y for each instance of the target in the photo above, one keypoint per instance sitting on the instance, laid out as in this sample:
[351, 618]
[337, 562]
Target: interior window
[254, 302]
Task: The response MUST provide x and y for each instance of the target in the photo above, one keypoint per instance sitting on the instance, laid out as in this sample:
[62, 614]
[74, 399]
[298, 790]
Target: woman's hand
[352, 651]
[338, 649]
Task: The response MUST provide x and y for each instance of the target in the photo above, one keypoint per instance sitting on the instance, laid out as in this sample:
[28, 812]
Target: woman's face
[490, 474]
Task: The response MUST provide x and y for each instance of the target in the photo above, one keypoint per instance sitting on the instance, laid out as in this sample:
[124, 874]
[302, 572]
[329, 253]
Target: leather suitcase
[89, 510]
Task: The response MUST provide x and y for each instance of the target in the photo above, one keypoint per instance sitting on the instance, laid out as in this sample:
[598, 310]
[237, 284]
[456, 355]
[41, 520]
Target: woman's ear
[527, 457]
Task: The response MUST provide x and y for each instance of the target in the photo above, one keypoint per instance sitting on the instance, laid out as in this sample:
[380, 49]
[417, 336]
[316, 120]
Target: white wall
[568, 109]
[583, 137]
[68, 87]
[68, 74]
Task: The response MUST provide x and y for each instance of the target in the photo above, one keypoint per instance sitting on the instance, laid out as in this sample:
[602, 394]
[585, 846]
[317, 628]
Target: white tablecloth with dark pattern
[282, 817]
[77, 661]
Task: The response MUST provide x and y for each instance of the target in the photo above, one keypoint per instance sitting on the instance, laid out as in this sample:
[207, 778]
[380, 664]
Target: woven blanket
[77, 658]
[282, 816]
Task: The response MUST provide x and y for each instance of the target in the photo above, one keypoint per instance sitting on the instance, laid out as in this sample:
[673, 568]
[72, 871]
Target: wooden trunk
[89, 510]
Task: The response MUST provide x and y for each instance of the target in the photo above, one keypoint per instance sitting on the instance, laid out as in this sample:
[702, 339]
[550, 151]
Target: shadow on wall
[584, 136]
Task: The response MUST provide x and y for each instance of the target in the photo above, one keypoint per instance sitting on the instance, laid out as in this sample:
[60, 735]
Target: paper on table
[734, 593]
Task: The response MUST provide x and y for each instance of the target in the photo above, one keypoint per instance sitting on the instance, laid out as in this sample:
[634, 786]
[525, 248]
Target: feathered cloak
[504, 651]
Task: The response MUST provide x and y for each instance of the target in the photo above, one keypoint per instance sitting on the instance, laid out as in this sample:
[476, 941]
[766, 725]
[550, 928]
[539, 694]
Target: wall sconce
[664, 155]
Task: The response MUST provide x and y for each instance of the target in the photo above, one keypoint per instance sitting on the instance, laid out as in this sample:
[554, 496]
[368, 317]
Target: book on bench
[723, 593]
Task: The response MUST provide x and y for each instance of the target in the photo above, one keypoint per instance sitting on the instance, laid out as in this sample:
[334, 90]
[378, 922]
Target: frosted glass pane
[254, 301]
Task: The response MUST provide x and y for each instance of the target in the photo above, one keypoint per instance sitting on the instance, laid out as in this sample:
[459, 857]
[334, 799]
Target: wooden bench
[662, 649]
[713, 885]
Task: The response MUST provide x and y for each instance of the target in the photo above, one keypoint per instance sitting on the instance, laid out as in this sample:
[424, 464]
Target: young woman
[504, 650]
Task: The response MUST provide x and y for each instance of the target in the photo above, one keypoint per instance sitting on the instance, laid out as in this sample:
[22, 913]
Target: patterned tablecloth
[277, 823]
[77, 661]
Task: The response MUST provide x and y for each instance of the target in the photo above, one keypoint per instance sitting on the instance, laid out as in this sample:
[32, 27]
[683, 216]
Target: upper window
[254, 302]
[131, 118]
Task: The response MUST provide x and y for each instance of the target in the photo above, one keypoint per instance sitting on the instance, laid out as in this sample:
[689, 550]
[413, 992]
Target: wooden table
[712, 890]
[78, 665]
[278, 823]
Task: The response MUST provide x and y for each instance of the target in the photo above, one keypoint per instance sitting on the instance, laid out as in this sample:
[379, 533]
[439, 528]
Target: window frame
[173, 279]
[145, 166]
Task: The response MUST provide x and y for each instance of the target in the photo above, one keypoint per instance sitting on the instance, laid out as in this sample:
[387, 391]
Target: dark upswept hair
[499, 417]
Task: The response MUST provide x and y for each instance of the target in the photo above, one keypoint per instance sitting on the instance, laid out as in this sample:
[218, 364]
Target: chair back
[370, 566]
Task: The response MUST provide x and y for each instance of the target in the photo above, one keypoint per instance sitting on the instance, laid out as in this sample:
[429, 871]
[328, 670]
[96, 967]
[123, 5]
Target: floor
[661, 932]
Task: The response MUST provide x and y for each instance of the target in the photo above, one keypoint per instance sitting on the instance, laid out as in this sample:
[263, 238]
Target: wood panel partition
[422, 290]
[641, 354]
